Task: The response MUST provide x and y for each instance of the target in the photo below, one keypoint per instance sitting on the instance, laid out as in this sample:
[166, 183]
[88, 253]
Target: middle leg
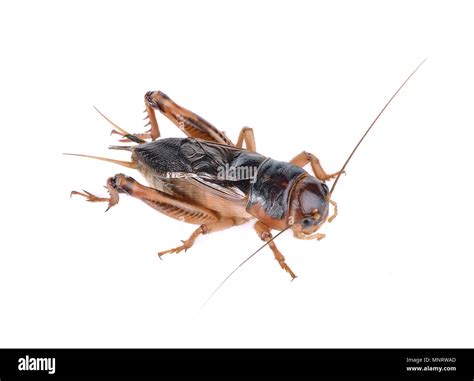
[246, 135]
[208, 228]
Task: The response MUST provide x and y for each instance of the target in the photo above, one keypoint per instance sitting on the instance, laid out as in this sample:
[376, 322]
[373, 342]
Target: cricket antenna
[370, 127]
[239, 266]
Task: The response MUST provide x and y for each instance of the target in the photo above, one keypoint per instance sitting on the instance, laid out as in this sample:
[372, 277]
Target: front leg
[304, 158]
[264, 232]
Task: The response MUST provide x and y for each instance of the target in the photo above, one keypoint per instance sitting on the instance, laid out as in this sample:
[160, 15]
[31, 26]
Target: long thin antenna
[239, 266]
[370, 127]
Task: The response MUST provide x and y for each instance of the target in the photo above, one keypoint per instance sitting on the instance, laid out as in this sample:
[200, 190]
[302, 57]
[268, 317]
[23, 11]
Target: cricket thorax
[270, 194]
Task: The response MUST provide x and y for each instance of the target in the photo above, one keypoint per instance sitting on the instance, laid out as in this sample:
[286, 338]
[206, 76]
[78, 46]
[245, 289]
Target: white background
[396, 267]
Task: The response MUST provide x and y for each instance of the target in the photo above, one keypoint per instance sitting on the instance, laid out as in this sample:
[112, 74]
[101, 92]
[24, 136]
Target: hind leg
[190, 123]
[113, 199]
[181, 210]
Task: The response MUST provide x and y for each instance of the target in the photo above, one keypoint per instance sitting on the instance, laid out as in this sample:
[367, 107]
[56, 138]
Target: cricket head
[309, 207]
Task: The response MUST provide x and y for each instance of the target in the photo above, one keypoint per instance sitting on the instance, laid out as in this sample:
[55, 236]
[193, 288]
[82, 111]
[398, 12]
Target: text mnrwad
[40, 364]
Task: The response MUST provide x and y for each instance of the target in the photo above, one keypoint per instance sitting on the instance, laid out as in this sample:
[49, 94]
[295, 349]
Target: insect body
[205, 179]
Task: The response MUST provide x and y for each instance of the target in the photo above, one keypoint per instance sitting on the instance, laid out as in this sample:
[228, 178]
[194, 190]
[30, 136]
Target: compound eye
[307, 222]
[325, 188]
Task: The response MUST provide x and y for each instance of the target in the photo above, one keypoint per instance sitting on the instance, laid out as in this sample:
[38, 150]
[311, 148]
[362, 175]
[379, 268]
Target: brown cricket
[207, 180]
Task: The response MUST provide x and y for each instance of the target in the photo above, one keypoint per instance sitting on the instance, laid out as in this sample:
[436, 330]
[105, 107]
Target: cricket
[206, 180]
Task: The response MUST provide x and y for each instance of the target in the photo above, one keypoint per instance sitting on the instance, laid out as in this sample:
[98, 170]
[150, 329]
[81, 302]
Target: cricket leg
[264, 232]
[334, 214]
[207, 228]
[112, 200]
[191, 124]
[246, 135]
[128, 137]
[304, 158]
[181, 210]
[171, 206]
[158, 200]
